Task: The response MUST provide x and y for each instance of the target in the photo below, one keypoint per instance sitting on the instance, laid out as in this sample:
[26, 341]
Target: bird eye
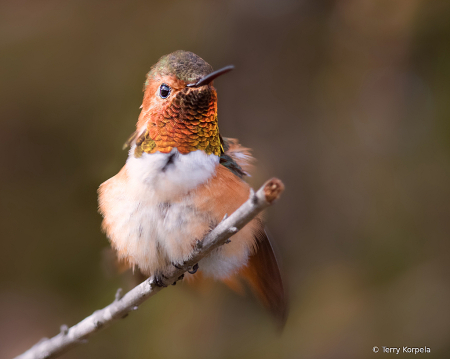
[164, 91]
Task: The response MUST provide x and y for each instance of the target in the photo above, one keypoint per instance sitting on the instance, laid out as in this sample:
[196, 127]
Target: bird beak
[209, 78]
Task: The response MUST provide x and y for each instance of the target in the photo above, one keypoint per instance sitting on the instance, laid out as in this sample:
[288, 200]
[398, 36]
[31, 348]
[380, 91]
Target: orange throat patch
[186, 124]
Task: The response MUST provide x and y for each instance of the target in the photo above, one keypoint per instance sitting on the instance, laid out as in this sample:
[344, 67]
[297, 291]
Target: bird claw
[194, 269]
[177, 266]
[159, 282]
[179, 278]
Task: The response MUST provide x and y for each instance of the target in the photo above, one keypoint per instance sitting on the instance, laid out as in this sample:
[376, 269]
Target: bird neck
[186, 131]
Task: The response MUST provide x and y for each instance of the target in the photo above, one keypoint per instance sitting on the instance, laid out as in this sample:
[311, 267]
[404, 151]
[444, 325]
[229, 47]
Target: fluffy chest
[149, 210]
[167, 176]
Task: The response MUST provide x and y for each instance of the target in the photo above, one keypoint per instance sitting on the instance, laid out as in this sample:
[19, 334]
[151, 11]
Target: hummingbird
[180, 179]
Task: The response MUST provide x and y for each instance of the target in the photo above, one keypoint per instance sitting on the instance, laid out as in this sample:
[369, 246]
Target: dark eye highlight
[164, 91]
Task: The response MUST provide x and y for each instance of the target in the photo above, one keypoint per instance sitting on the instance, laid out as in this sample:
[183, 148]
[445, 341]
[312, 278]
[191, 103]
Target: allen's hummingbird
[180, 179]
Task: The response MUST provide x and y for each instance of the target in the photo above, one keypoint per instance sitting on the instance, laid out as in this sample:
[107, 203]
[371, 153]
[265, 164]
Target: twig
[121, 306]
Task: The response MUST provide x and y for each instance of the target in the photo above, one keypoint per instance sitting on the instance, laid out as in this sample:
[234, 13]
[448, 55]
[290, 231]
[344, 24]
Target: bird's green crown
[185, 65]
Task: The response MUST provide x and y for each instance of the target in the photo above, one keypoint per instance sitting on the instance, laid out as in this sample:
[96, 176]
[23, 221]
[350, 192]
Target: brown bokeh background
[346, 101]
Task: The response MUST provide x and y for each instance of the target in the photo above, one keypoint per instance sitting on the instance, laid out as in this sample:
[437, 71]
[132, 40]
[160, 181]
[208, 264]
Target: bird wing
[262, 274]
[236, 158]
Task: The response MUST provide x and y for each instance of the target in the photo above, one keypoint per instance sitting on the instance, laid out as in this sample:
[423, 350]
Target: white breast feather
[152, 215]
[152, 219]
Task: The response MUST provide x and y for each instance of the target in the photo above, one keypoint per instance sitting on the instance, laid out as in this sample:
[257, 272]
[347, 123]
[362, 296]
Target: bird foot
[177, 266]
[179, 278]
[159, 282]
[194, 269]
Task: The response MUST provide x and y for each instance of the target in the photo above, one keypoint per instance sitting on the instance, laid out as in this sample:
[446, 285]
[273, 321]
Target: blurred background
[346, 101]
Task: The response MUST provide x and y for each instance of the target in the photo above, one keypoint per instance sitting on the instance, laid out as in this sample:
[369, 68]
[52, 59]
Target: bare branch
[122, 306]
